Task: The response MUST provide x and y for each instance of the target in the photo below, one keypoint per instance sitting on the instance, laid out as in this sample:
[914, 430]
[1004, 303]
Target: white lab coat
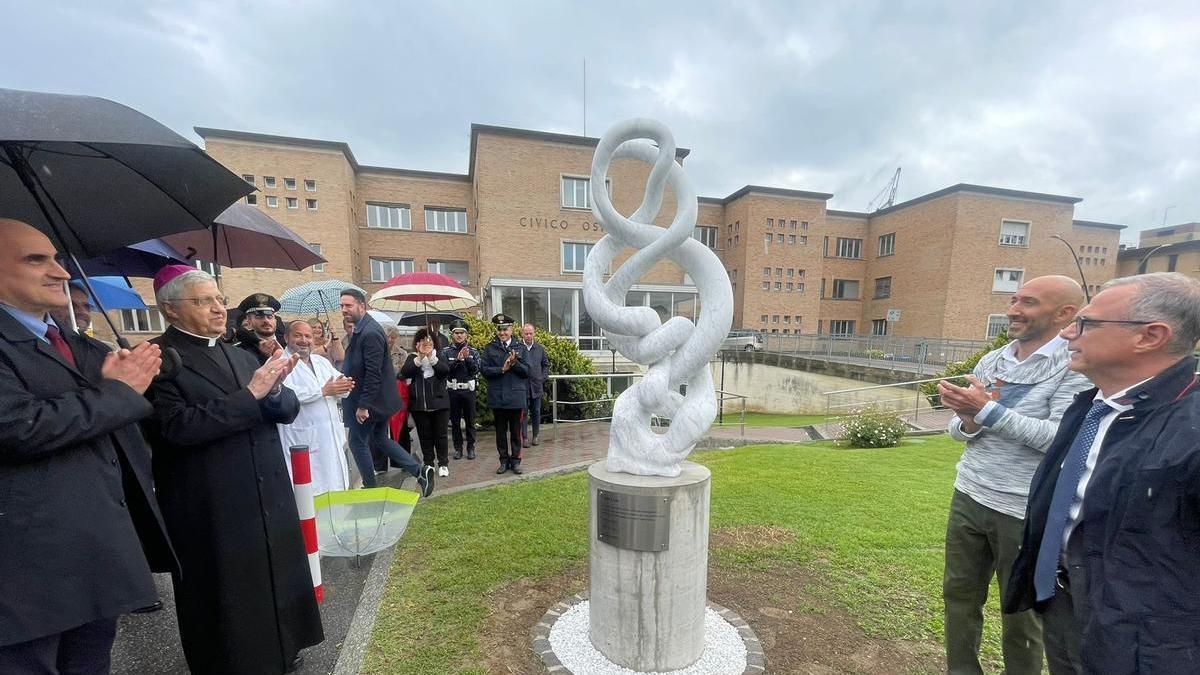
[319, 425]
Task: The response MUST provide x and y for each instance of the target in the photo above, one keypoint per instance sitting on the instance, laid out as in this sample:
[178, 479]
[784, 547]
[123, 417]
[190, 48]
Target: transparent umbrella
[360, 522]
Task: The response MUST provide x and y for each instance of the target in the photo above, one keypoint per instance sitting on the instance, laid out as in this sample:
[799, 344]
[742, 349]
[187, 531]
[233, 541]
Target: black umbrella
[97, 175]
[423, 318]
[243, 236]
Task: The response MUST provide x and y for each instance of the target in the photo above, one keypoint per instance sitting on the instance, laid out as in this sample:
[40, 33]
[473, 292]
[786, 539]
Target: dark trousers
[533, 416]
[508, 433]
[85, 650]
[980, 544]
[374, 434]
[462, 409]
[1063, 621]
[431, 430]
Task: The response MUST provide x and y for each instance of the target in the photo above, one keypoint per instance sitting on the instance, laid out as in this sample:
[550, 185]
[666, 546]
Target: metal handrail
[608, 378]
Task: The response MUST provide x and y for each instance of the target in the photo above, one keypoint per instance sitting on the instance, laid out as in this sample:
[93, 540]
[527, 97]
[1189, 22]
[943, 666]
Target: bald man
[80, 529]
[1007, 414]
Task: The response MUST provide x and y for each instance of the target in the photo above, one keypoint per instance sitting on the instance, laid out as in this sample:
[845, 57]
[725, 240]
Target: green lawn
[756, 419]
[870, 523]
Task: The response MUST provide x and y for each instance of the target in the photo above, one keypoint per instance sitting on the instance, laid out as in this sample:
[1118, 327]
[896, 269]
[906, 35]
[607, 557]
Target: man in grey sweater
[1007, 415]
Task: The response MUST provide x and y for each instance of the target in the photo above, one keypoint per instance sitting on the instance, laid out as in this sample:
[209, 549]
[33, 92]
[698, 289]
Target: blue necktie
[1046, 569]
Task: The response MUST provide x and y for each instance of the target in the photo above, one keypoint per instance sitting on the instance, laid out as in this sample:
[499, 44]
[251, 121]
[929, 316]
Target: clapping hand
[425, 347]
[135, 367]
[512, 358]
[268, 347]
[464, 353]
[338, 386]
[271, 374]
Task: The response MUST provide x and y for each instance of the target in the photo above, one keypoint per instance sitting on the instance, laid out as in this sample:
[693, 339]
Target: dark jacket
[245, 602]
[75, 490]
[539, 368]
[461, 370]
[1138, 535]
[368, 362]
[426, 393]
[506, 390]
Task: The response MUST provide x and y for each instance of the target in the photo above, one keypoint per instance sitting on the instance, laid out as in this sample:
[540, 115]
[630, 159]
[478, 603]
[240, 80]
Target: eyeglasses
[208, 301]
[1082, 322]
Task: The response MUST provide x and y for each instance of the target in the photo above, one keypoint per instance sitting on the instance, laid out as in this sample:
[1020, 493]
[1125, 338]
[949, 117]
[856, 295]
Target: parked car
[743, 340]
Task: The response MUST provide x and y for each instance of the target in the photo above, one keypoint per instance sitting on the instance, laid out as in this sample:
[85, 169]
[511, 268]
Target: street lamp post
[1141, 268]
[1078, 265]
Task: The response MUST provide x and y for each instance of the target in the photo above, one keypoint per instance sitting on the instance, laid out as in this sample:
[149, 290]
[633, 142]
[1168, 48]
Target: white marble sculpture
[676, 352]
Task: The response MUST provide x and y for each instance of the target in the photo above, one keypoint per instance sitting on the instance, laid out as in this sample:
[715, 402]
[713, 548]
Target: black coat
[245, 601]
[425, 394]
[368, 362]
[506, 390]
[1138, 533]
[75, 490]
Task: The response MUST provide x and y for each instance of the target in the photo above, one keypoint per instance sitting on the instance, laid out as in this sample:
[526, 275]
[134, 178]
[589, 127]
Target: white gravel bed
[724, 651]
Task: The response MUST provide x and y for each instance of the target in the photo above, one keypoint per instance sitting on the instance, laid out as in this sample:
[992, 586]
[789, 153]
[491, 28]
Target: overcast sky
[1098, 99]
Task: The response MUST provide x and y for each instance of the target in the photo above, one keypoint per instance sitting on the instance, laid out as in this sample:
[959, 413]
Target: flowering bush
[873, 428]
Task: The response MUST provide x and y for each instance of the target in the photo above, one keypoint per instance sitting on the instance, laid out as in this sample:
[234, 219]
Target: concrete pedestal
[647, 607]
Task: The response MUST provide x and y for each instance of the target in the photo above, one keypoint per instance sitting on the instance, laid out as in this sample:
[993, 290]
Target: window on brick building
[248, 177]
[800, 287]
[293, 203]
[289, 183]
[272, 201]
[766, 286]
[705, 235]
[1014, 233]
[252, 199]
[996, 324]
[762, 318]
[577, 192]
[269, 181]
[316, 248]
[1007, 281]
[383, 269]
[879, 327]
[778, 285]
[445, 220]
[142, 320]
[455, 269]
[310, 185]
[312, 204]
[841, 327]
[574, 255]
[883, 287]
[849, 248]
[845, 289]
[771, 223]
[766, 271]
[887, 244]
[791, 240]
[389, 216]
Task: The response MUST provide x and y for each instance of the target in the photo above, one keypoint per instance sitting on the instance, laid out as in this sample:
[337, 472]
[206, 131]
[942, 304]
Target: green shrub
[564, 358]
[873, 428]
[961, 368]
[873, 353]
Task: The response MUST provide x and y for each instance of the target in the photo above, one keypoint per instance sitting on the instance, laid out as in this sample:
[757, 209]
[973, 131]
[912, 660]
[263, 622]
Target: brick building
[1175, 248]
[517, 226]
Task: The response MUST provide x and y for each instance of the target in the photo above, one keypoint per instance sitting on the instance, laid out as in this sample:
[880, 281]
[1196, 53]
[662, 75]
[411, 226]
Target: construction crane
[886, 196]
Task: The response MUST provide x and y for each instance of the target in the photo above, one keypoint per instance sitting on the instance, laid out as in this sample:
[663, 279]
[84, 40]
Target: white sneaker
[444, 471]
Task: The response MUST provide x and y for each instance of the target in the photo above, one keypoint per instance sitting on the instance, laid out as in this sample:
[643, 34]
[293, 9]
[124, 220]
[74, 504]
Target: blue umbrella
[112, 293]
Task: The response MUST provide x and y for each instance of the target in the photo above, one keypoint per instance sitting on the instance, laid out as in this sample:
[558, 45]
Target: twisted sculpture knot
[675, 352]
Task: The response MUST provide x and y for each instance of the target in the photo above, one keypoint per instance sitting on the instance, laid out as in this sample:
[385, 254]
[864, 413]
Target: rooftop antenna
[886, 196]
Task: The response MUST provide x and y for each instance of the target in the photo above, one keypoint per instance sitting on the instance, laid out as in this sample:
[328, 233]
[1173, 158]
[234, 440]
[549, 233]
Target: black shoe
[516, 468]
[425, 480]
[297, 664]
[503, 467]
[535, 439]
[148, 609]
[470, 453]
[458, 453]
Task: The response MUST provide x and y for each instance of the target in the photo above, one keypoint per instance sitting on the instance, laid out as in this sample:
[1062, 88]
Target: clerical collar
[211, 342]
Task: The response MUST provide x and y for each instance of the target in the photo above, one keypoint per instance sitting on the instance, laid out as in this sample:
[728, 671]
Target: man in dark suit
[374, 399]
[245, 601]
[258, 330]
[75, 491]
[1112, 534]
[539, 369]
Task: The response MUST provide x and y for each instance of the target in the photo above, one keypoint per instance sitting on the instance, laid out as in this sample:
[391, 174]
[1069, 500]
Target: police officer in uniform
[257, 333]
[503, 364]
[463, 360]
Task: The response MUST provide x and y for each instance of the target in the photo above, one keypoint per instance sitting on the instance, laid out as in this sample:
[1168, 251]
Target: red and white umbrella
[422, 292]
